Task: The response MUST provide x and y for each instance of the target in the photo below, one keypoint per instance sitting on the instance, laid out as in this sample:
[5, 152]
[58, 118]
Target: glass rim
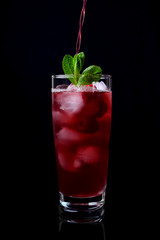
[66, 76]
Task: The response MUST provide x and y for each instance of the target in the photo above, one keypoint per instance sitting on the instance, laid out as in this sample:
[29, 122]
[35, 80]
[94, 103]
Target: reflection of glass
[92, 231]
[81, 216]
[81, 124]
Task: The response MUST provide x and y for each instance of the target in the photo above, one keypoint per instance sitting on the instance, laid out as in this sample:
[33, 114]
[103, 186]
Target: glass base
[83, 210]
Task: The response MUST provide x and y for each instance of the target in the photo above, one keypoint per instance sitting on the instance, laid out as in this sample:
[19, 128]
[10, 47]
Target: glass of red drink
[81, 127]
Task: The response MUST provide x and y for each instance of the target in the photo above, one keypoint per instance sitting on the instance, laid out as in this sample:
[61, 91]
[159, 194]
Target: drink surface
[82, 124]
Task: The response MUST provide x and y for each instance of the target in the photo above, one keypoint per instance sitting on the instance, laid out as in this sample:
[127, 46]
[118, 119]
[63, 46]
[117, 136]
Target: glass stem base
[75, 209]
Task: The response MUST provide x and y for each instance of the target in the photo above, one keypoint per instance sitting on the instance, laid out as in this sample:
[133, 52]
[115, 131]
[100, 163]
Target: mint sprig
[67, 65]
[72, 66]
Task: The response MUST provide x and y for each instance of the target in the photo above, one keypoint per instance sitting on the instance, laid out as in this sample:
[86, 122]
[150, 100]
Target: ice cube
[61, 118]
[62, 86]
[69, 135]
[100, 86]
[80, 88]
[72, 88]
[85, 88]
[94, 105]
[62, 160]
[65, 158]
[70, 102]
[86, 155]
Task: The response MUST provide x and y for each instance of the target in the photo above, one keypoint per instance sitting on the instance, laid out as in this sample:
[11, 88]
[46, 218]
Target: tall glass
[81, 127]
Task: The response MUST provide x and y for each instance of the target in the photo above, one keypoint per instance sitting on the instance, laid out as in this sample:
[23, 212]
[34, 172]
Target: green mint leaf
[93, 69]
[91, 74]
[81, 57]
[78, 62]
[68, 68]
[67, 64]
[76, 65]
[72, 67]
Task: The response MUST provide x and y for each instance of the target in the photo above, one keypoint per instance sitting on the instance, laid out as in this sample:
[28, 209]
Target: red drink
[82, 124]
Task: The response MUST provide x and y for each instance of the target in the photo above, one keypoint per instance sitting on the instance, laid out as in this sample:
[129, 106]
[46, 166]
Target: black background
[123, 38]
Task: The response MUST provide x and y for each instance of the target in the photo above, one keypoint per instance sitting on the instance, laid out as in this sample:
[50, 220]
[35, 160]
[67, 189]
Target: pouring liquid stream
[81, 22]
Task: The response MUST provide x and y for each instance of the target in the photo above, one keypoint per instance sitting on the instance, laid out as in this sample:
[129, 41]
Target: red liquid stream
[81, 21]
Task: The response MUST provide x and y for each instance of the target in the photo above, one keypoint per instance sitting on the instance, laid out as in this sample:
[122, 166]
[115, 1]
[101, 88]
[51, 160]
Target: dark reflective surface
[94, 231]
[85, 229]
